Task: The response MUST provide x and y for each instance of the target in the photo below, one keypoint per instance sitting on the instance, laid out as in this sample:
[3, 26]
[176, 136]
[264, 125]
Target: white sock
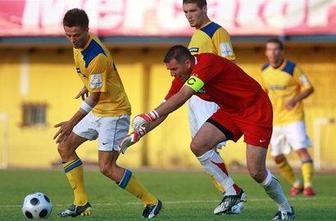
[214, 165]
[275, 192]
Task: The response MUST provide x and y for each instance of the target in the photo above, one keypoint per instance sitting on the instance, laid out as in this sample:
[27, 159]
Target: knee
[108, 170]
[105, 168]
[196, 148]
[64, 150]
[304, 155]
[258, 174]
[279, 159]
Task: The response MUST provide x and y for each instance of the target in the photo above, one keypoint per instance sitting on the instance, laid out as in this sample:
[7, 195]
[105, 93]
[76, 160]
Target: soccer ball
[237, 209]
[36, 205]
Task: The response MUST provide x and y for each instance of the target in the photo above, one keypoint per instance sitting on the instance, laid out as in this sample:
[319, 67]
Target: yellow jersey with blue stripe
[282, 84]
[96, 68]
[212, 38]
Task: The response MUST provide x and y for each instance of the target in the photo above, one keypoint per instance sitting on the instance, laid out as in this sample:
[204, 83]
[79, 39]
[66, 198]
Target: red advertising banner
[166, 17]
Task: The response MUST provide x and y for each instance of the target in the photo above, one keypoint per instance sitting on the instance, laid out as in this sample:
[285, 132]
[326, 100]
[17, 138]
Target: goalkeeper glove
[131, 139]
[141, 121]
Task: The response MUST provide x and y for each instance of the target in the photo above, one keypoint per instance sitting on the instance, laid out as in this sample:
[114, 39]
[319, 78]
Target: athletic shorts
[289, 136]
[199, 112]
[254, 122]
[109, 130]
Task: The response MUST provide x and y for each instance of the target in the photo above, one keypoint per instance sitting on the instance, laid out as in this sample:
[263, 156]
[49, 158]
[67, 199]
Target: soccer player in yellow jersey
[287, 85]
[103, 114]
[208, 37]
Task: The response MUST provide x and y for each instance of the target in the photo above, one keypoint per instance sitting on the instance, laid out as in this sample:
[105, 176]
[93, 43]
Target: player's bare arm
[143, 120]
[175, 101]
[299, 97]
[144, 123]
[66, 127]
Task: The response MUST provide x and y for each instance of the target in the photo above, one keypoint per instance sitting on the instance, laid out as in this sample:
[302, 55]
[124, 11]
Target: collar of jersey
[205, 25]
[281, 66]
[87, 44]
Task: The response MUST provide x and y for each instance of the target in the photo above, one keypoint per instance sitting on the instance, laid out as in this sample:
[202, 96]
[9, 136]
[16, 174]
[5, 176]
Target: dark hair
[200, 3]
[76, 17]
[178, 52]
[276, 41]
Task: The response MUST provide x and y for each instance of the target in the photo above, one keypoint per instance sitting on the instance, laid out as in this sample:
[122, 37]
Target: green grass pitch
[185, 196]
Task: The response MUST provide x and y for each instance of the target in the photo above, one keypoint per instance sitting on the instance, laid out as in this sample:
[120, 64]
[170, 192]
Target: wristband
[85, 107]
[153, 115]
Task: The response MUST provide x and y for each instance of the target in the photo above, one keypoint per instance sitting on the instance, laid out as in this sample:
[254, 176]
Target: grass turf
[185, 196]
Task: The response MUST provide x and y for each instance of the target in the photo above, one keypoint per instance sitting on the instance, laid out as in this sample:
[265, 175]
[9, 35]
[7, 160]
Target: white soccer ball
[36, 205]
[237, 209]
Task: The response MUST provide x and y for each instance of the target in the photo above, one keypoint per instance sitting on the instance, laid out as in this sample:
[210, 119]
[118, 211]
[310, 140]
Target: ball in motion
[36, 205]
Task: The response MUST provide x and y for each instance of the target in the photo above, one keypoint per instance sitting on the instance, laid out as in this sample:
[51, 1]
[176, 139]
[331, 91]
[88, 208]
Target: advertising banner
[166, 17]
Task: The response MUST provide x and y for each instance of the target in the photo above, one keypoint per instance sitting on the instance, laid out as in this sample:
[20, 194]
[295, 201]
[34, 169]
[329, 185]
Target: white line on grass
[175, 202]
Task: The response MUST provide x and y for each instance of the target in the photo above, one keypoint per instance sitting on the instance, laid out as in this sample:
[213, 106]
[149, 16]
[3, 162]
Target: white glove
[141, 121]
[131, 139]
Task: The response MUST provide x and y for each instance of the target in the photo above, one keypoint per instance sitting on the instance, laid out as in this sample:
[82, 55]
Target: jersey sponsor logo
[277, 87]
[96, 81]
[194, 50]
[225, 49]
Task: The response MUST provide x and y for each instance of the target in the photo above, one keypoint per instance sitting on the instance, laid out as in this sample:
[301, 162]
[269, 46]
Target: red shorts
[255, 123]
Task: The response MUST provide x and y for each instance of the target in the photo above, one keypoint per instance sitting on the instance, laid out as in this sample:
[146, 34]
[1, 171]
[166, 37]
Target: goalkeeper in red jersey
[246, 111]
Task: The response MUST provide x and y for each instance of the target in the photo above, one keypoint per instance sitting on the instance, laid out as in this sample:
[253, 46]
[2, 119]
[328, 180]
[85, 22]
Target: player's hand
[141, 121]
[129, 140]
[64, 131]
[84, 93]
[289, 105]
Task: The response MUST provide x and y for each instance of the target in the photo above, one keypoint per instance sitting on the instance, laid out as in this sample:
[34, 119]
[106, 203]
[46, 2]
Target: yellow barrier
[48, 77]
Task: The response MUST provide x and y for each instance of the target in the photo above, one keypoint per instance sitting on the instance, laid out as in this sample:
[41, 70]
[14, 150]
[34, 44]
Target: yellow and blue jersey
[212, 38]
[282, 84]
[96, 68]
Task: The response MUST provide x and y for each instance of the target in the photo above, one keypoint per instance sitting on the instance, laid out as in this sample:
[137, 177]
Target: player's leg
[207, 137]
[307, 171]
[287, 172]
[257, 129]
[198, 112]
[280, 147]
[111, 131]
[73, 166]
[73, 169]
[256, 158]
[126, 180]
[300, 142]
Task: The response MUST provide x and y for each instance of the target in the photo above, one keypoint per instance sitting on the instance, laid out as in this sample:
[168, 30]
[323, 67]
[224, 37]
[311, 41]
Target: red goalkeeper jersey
[244, 106]
[225, 83]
